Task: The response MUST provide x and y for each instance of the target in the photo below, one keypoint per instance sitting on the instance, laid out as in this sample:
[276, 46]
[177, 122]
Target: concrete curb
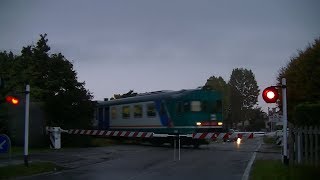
[246, 173]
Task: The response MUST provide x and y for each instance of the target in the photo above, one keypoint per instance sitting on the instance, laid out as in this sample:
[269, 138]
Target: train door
[106, 122]
[100, 118]
[103, 117]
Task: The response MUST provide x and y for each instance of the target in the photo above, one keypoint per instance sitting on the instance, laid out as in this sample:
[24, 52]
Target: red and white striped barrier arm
[245, 135]
[211, 136]
[135, 134]
[222, 136]
[130, 134]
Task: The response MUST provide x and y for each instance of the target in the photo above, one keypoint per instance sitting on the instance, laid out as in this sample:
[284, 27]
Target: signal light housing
[270, 94]
[12, 100]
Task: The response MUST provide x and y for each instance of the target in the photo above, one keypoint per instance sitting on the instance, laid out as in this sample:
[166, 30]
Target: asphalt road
[142, 162]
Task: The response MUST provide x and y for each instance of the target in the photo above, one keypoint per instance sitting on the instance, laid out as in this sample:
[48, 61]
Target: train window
[126, 112]
[113, 113]
[137, 111]
[195, 106]
[151, 110]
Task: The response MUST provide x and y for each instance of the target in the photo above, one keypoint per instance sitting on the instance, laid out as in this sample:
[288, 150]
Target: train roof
[150, 96]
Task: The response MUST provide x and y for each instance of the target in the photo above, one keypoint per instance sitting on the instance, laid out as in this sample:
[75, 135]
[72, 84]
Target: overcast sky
[149, 45]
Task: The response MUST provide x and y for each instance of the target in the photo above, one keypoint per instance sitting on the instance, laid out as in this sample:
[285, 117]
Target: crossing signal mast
[271, 95]
[15, 101]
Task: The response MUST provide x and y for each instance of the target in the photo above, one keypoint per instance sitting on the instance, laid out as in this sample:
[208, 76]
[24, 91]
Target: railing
[304, 145]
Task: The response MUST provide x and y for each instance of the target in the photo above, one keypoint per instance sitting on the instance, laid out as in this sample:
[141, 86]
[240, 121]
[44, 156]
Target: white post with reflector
[26, 126]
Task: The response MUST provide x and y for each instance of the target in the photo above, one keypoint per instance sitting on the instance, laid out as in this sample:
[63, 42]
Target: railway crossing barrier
[136, 134]
[55, 136]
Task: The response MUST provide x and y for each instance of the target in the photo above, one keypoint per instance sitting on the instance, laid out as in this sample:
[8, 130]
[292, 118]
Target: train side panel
[135, 116]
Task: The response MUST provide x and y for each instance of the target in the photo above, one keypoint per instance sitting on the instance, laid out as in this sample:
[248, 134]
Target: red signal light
[270, 94]
[12, 100]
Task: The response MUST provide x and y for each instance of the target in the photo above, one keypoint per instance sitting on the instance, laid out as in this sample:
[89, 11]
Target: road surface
[142, 162]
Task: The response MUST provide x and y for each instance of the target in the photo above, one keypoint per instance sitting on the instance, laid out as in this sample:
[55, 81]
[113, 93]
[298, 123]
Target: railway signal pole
[271, 95]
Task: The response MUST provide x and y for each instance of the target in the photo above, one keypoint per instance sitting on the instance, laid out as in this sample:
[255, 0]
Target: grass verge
[274, 169]
[19, 150]
[13, 171]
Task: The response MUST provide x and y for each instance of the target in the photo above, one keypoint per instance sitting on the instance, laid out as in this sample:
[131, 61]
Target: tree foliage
[302, 75]
[220, 85]
[307, 114]
[244, 93]
[53, 81]
[240, 95]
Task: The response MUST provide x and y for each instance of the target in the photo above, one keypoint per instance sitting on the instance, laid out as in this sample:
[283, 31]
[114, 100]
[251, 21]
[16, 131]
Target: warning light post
[271, 95]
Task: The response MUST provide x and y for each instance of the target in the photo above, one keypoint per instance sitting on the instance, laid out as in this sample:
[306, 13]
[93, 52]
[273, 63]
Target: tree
[244, 93]
[53, 81]
[220, 85]
[6, 71]
[258, 119]
[302, 75]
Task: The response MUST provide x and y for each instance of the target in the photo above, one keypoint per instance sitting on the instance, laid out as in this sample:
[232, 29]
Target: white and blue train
[163, 112]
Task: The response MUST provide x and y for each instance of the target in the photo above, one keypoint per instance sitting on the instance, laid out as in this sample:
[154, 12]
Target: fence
[304, 145]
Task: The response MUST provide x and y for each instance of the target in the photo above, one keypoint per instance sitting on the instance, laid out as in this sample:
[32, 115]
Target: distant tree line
[53, 81]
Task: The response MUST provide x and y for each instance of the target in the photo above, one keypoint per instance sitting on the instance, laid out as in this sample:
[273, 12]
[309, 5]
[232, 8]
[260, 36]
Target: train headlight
[198, 123]
[220, 123]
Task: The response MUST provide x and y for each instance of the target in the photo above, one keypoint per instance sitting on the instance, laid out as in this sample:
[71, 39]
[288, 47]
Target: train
[182, 112]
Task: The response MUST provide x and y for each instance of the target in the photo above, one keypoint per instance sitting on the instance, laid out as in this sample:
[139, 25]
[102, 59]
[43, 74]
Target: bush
[307, 114]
